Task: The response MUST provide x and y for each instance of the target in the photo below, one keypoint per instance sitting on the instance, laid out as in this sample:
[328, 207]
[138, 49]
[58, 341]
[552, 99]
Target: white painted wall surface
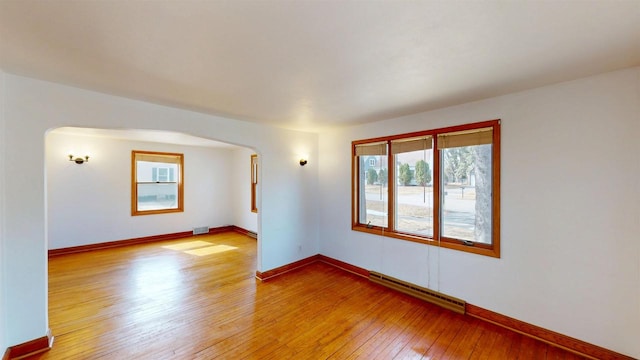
[241, 189]
[570, 211]
[91, 203]
[33, 107]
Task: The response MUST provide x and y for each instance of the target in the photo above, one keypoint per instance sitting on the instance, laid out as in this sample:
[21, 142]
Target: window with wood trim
[438, 187]
[254, 183]
[156, 182]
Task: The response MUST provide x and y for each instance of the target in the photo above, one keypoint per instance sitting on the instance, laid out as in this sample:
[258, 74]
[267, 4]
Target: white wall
[287, 224]
[91, 203]
[241, 190]
[570, 211]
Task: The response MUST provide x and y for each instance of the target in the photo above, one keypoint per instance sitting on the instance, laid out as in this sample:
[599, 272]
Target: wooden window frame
[254, 183]
[134, 181]
[492, 250]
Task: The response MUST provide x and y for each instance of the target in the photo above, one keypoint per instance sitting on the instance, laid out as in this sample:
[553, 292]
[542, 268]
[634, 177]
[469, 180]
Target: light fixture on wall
[79, 160]
[303, 162]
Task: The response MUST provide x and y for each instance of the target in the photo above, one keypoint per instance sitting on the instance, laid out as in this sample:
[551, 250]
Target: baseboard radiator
[434, 297]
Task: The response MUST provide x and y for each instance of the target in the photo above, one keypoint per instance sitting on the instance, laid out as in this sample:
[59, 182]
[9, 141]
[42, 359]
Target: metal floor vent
[201, 230]
[434, 297]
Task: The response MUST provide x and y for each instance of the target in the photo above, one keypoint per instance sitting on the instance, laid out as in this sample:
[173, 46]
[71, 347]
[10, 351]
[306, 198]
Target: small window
[372, 162]
[157, 182]
[254, 183]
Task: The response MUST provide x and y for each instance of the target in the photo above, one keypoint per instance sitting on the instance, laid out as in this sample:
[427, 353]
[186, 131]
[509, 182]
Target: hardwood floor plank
[426, 334]
[503, 343]
[485, 342]
[392, 324]
[465, 341]
[404, 334]
[155, 301]
[446, 337]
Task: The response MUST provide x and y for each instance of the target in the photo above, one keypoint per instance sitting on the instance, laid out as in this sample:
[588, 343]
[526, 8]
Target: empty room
[319, 179]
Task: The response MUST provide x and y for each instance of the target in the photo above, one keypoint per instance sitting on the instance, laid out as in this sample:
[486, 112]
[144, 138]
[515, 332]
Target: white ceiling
[310, 65]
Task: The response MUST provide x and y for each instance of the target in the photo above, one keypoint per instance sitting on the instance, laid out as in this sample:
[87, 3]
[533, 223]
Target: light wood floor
[153, 302]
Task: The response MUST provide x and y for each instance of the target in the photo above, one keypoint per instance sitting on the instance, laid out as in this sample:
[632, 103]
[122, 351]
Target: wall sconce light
[303, 162]
[79, 160]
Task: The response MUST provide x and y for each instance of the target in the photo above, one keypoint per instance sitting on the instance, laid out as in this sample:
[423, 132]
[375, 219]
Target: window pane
[163, 174]
[373, 180]
[147, 171]
[414, 192]
[466, 193]
[157, 196]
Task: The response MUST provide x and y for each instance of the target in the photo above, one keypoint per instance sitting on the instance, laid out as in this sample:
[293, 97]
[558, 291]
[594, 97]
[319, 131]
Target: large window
[440, 187]
[157, 182]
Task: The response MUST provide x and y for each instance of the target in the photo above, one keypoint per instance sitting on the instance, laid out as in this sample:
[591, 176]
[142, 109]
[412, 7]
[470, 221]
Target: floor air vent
[201, 230]
[428, 295]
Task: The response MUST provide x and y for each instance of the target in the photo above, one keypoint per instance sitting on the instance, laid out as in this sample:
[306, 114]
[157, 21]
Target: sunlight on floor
[210, 250]
[187, 245]
[199, 248]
